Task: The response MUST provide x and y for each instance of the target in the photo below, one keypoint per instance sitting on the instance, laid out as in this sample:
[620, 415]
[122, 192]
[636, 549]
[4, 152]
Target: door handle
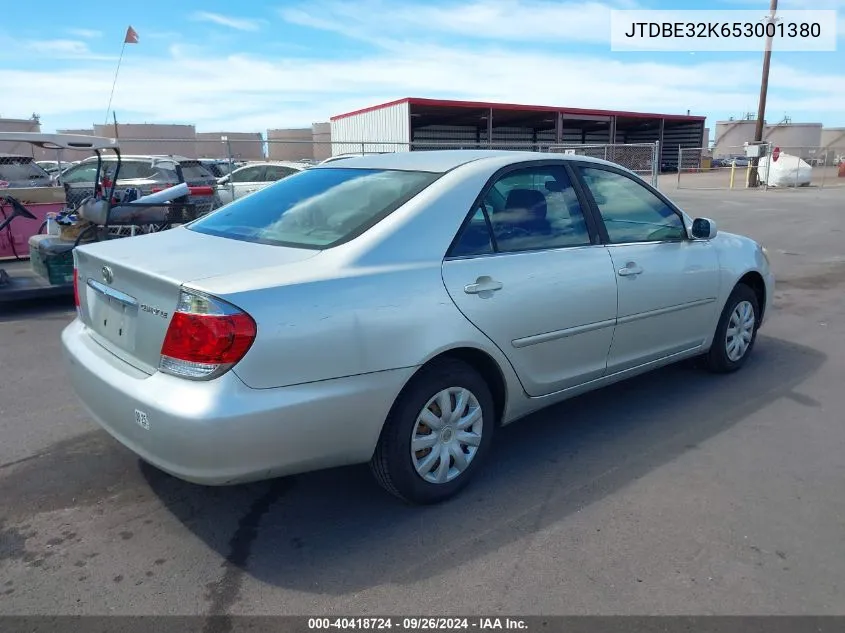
[483, 285]
[631, 270]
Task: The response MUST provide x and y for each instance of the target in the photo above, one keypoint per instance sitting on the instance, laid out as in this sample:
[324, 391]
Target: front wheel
[436, 435]
[736, 332]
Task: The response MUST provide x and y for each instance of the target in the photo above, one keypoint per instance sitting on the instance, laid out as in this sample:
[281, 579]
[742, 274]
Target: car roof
[146, 157]
[263, 163]
[441, 161]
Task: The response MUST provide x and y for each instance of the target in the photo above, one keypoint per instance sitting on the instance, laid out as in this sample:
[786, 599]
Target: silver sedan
[397, 309]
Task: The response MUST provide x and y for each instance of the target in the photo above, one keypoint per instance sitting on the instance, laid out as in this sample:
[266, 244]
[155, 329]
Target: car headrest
[530, 199]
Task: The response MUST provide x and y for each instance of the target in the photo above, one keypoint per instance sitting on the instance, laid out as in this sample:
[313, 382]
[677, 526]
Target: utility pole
[764, 89]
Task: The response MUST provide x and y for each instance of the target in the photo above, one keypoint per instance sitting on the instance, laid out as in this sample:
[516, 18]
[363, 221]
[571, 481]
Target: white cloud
[12, 49]
[239, 92]
[87, 34]
[239, 24]
[499, 50]
[503, 20]
[60, 48]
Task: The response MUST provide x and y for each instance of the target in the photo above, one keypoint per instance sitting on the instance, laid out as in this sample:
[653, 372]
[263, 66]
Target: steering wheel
[509, 231]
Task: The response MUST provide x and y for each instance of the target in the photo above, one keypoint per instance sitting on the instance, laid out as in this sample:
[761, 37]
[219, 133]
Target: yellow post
[748, 176]
[733, 172]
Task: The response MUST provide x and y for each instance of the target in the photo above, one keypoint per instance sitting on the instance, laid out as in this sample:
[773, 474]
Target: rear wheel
[437, 434]
[736, 332]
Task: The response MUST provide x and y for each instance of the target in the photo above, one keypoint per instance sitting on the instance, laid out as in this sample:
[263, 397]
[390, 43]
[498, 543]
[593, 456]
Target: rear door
[528, 271]
[667, 282]
[247, 180]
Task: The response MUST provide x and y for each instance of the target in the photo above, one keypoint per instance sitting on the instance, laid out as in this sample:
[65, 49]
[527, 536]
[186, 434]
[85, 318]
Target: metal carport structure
[416, 123]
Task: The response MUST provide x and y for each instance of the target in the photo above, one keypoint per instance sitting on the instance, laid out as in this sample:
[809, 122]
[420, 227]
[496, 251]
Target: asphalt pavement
[678, 492]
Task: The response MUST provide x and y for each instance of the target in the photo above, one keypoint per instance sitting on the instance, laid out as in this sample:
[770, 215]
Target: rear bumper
[222, 432]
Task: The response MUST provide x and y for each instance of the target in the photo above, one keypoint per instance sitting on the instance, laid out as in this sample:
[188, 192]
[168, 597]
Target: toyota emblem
[108, 275]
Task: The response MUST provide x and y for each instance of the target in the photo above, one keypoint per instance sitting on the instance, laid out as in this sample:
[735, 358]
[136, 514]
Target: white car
[254, 176]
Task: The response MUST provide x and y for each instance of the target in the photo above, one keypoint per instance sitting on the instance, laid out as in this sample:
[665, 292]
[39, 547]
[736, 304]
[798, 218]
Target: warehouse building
[238, 145]
[307, 143]
[417, 124]
[20, 125]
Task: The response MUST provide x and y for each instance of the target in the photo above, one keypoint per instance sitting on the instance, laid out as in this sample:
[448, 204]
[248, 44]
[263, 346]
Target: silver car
[254, 176]
[397, 309]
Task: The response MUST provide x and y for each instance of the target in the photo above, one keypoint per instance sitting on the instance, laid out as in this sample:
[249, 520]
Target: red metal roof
[519, 107]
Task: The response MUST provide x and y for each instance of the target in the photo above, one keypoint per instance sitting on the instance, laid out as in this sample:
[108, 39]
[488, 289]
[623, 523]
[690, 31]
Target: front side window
[528, 209]
[249, 174]
[319, 208]
[631, 213]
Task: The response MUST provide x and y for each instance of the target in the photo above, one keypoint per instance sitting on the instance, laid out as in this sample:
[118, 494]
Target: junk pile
[785, 170]
[51, 254]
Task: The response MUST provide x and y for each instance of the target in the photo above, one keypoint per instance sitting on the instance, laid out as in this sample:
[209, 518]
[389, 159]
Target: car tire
[397, 468]
[725, 356]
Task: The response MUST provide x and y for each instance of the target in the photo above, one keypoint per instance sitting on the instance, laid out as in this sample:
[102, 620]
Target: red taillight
[76, 287]
[206, 337]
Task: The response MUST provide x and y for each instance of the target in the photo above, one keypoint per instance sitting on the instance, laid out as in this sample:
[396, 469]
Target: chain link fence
[641, 158]
[209, 162]
[778, 167]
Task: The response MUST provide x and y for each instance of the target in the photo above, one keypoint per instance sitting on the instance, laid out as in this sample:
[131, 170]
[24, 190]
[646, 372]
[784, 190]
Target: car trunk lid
[129, 288]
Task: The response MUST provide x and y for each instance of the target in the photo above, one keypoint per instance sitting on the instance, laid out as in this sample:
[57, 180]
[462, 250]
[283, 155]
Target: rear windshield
[317, 208]
[196, 171]
[13, 169]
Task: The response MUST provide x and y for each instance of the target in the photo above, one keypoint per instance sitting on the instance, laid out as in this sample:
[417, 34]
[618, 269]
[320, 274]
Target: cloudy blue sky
[249, 66]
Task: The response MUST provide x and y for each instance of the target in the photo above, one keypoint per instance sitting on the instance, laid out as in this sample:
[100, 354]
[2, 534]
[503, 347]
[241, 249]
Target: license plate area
[113, 315]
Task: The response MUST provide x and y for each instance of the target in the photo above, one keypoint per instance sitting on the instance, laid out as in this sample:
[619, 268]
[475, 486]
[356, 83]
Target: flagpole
[114, 83]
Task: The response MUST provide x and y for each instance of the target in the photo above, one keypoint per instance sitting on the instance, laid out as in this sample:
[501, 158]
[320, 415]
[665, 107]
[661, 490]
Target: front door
[529, 274]
[667, 283]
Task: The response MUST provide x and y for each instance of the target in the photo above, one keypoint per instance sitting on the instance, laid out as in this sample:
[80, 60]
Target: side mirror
[703, 229]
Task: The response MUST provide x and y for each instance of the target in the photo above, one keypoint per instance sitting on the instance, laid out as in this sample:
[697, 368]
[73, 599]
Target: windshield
[318, 208]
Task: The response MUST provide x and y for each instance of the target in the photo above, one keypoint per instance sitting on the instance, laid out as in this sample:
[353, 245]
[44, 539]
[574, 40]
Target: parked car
[22, 171]
[337, 157]
[53, 167]
[738, 161]
[255, 176]
[146, 173]
[397, 309]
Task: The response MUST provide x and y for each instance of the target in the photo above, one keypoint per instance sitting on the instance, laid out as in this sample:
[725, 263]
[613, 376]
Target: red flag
[131, 36]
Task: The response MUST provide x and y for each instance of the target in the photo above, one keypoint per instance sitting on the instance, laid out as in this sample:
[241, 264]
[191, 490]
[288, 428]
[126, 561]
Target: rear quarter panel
[367, 320]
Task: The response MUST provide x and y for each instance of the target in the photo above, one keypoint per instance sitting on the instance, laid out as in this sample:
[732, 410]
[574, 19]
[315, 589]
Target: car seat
[536, 207]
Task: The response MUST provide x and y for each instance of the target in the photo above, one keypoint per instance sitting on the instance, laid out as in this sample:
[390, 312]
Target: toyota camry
[397, 309]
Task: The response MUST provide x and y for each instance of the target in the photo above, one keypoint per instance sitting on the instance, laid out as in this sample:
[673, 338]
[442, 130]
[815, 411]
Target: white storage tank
[833, 145]
[800, 139]
[731, 137]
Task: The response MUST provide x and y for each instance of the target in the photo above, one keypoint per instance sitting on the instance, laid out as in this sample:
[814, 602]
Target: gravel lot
[677, 492]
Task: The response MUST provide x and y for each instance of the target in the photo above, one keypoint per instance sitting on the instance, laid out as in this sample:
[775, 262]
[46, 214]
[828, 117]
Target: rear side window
[12, 169]
[196, 171]
[317, 208]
